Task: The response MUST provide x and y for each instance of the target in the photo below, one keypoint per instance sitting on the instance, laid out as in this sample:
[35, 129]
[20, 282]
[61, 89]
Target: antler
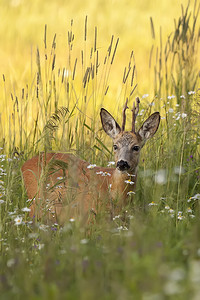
[135, 111]
[124, 115]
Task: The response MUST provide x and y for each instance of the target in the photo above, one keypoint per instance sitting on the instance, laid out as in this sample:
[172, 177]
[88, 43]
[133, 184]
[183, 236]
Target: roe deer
[63, 186]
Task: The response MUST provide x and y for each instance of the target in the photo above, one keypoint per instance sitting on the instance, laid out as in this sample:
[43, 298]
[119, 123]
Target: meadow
[60, 63]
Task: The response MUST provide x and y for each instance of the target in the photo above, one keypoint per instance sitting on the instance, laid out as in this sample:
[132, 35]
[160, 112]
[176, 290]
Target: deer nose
[123, 165]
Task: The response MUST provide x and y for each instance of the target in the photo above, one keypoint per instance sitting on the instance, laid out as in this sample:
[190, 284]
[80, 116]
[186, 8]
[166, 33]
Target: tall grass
[156, 255]
[175, 68]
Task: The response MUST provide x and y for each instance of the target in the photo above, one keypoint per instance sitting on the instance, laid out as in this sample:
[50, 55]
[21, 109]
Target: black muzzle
[123, 165]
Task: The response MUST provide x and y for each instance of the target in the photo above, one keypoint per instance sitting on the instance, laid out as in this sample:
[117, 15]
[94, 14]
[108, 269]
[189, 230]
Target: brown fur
[62, 186]
[80, 192]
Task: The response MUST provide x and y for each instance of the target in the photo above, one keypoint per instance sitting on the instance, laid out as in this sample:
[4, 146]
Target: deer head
[127, 144]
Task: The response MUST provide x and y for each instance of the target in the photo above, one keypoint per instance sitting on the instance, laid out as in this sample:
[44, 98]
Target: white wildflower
[10, 262]
[192, 216]
[91, 166]
[178, 116]
[72, 220]
[111, 163]
[160, 176]
[131, 175]
[124, 228]
[189, 210]
[11, 213]
[191, 92]
[120, 228]
[26, 209]
[195, 197]
[141, 112]
[43, 227]
[2, 201]
[170, 110]
[180, 216]
[29, 200]
[179, 170]
[40, 246]
[152, 203]
[99, 173]
[48, 185]
[105, 174]
[2, 157]
[84, 241]
[130, 193]
[60, 177]
[171, 97]
[18, 220]
[116, 217]
[129, 182]
[184, 115]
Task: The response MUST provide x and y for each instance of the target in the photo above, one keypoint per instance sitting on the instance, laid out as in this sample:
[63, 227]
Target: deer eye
[135, 148]
[115, 147]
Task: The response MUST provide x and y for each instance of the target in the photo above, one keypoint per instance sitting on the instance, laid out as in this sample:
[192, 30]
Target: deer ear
[149, 127]
[110, 126]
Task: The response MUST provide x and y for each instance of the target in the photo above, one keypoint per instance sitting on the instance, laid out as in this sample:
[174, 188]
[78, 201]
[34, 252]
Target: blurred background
[23, 22]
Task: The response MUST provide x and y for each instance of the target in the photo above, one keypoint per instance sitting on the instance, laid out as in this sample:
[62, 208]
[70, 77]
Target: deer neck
[123, 183]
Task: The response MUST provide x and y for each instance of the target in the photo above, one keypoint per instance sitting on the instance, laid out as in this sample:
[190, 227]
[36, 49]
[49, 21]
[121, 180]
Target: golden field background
[22, 32]
[152, 249]
[23, 21]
